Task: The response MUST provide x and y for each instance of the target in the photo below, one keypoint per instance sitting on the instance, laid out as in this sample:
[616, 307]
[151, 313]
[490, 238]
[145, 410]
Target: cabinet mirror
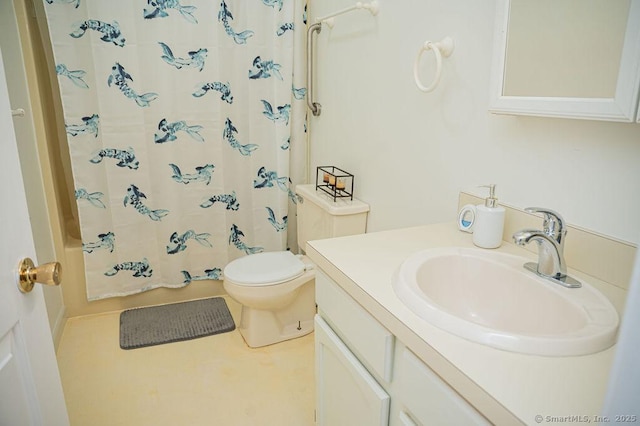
[567, 58]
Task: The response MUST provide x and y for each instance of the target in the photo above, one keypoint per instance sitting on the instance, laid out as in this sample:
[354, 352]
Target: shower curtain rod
[372, 7]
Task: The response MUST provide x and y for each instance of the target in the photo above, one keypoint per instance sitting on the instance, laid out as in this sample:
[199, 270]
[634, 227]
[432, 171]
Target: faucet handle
[553, 224]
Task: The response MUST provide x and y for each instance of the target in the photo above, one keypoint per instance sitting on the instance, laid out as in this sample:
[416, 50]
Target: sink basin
[489, 298]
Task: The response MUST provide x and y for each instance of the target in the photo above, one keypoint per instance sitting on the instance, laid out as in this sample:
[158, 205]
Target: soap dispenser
[489, 221]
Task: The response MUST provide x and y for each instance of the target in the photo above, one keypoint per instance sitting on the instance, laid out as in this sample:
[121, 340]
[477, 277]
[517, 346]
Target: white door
[30, 388]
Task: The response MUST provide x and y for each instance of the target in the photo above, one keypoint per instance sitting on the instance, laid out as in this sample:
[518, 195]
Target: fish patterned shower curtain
[182, 119]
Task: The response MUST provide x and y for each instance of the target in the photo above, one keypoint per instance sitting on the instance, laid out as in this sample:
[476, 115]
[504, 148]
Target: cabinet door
[425, 399]
[369, 341]
[346, 393]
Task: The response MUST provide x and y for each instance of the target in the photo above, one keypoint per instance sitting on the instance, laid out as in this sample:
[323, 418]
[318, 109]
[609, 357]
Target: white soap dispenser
[489, 221]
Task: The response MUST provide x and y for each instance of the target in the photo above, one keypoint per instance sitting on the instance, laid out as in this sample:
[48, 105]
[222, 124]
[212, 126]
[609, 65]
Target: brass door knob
[29, 274]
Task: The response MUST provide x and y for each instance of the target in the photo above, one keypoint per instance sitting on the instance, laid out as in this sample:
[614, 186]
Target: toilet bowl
[276, 291]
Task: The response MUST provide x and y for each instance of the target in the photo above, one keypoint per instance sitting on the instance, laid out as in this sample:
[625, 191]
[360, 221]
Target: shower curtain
[182, 119]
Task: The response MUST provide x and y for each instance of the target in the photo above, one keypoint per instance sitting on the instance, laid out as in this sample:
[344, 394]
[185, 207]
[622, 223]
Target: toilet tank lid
[264, 268]
[342, 206]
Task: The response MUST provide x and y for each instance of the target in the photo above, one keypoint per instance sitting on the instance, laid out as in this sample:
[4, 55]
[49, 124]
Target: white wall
[624, 381]
[412, 152]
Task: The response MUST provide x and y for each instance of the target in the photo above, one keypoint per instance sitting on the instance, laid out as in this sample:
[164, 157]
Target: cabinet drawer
[426, 399]
[369, 340]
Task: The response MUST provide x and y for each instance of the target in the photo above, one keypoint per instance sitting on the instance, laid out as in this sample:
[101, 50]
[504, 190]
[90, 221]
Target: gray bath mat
[157, 325]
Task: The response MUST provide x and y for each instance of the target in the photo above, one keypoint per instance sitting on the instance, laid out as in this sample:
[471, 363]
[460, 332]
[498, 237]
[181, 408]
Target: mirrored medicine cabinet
[567, 58]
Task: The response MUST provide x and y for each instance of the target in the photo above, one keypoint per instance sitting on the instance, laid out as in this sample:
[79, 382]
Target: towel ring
[443, 47]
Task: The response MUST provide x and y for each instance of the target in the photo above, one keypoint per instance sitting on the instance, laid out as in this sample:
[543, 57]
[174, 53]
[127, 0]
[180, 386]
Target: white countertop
[504, 386]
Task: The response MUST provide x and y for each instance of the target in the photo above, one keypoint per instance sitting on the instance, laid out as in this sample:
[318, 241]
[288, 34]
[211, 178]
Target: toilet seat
[263, 269]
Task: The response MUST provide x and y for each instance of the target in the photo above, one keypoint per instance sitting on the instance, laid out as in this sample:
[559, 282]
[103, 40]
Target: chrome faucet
[551, 263]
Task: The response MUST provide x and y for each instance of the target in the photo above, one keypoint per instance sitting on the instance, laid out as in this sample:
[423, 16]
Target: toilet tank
[320, 217]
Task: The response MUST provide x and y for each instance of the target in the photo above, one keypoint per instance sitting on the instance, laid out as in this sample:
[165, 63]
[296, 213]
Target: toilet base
[265, 327]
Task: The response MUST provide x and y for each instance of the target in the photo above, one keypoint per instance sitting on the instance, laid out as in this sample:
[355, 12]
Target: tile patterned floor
[215, 380]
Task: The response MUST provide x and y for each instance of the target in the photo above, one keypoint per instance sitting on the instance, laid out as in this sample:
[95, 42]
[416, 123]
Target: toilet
[277, 289]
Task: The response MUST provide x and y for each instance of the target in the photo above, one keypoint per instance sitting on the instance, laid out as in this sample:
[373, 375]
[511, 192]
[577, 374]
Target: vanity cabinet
[366, 376]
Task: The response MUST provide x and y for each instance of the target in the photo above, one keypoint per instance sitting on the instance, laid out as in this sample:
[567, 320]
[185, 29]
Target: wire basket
[335, 182]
